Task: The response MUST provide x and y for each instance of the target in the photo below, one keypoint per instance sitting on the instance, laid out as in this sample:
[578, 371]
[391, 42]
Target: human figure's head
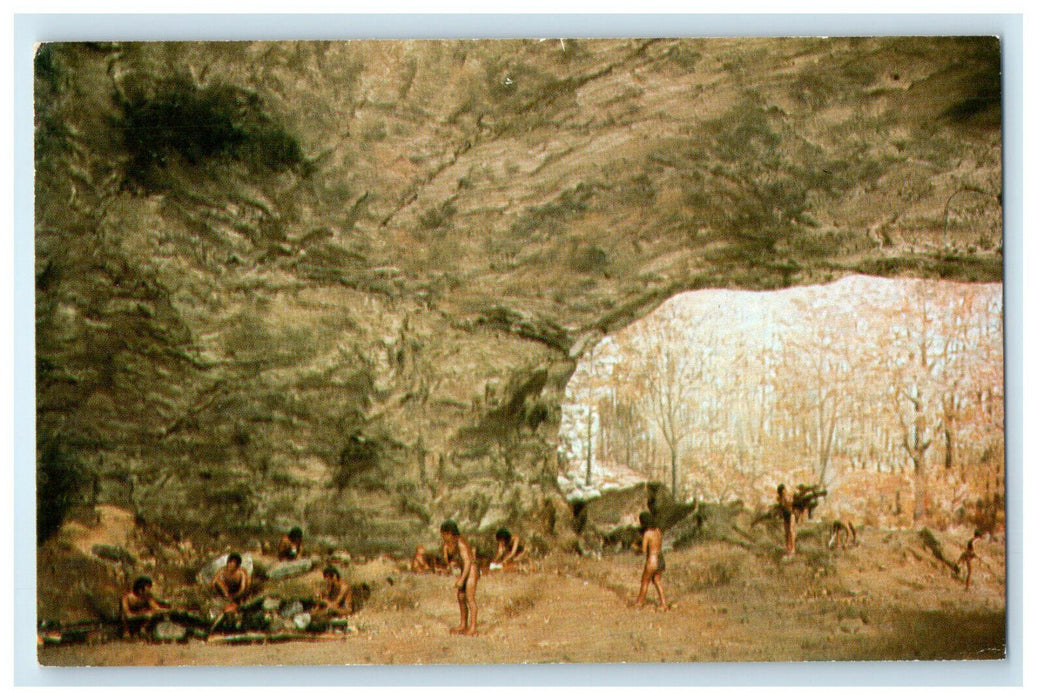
[645, 520]
[141, 585]
[234, 561]
[331, 573]
[420, 551]
[503, 535]
[295, 535]
[449, 531]
[780, 489]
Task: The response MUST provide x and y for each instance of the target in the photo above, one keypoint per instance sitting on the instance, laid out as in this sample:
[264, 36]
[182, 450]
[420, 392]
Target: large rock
[290, 568]
[612, 510]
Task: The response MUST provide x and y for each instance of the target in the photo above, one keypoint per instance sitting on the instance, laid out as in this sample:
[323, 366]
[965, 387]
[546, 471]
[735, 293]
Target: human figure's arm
[220, 584]
[343, 601]
[515, 540]
[125, 606]
[244, 589]
[157, 606]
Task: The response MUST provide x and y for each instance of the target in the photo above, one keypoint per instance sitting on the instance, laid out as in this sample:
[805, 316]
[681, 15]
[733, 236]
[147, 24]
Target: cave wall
[344, 284]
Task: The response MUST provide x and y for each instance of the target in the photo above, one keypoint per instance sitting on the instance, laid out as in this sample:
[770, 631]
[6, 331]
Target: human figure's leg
[470, 587]
[656, 581]
[644, 588]
[462, 602]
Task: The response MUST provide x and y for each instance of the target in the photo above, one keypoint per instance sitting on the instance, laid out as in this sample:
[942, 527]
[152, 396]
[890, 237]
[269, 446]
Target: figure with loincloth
[655, 564]
[232, 582]
[139, 608]
[455, 547]
[966, 558]
[785, 502]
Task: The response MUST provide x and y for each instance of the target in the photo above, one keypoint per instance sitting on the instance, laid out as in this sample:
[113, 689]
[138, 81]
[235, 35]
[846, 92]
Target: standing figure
[290, 545]
[966, 559]
[138, 607]
[454, 546]
[652, 548]
[785, 500]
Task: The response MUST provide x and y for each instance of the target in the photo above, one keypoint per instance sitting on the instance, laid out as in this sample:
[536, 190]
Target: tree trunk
[920, 489]
[674, 474]
[587, 478]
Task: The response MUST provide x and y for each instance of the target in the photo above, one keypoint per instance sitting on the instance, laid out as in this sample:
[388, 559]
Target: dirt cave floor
[886, 599]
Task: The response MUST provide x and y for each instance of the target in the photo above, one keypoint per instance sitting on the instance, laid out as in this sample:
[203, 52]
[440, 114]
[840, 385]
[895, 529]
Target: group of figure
[233, 585]
[843, 532]
[457, 550]
[511, 551]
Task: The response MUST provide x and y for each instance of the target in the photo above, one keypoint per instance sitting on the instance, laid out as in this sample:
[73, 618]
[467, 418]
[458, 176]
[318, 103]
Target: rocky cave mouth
[364, 320]
[888, 393]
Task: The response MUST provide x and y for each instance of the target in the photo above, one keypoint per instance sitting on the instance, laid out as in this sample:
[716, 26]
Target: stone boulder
[611, 510]
[290, 568]
[112, 553]
[709, 521]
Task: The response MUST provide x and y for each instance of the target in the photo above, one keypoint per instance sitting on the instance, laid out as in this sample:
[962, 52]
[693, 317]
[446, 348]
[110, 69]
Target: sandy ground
[888, 598]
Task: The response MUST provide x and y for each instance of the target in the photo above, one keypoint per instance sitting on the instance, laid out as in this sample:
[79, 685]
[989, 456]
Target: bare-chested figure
[334, 596]
[510, 550]
[841, 533]
[966, 559]
[138, 607]
[455, 547]
[652, 548]
[785, 500]
[424, 562]
[232, 582]
[290, 545]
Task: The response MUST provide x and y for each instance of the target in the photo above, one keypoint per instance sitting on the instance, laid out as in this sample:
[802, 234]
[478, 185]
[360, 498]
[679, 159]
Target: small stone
[294, 607]
[169, 632]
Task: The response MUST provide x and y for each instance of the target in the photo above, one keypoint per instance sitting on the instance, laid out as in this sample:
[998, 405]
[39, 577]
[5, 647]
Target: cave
[352, 293]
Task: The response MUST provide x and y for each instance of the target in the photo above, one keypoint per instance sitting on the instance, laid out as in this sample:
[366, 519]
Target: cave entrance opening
[887, 392]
